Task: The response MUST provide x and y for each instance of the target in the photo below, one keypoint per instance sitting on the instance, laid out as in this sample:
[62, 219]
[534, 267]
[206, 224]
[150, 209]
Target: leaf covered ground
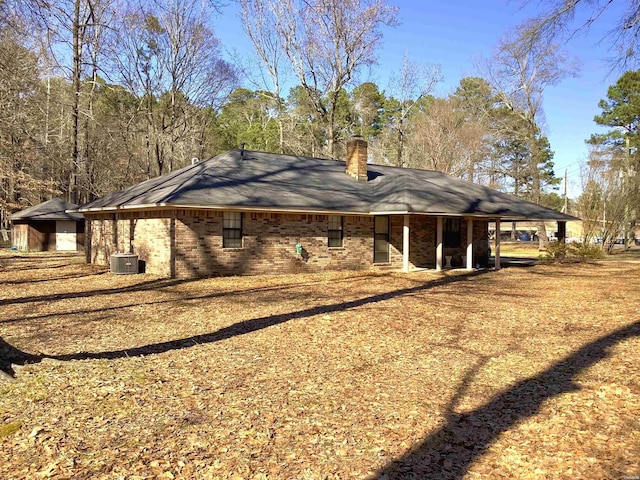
[518, 373]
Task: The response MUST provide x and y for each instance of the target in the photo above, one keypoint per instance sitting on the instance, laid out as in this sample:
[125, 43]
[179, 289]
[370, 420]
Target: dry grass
[530, 250]
[518, 249]
[337, 375]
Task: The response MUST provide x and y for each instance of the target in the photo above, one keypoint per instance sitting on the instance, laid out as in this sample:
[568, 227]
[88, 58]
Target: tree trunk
[400, 146]
[172, 148]
[280, 113]
[330, 120]
[281, 128]
[46, 112]
[149, 135]
[86, 181]
[543, 241]
[77, 65]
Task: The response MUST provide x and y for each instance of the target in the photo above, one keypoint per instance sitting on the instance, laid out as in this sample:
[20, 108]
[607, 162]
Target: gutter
[165, 206]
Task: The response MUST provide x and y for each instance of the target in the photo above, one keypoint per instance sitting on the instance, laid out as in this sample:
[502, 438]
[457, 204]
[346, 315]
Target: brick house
[48, 227]
[248, 212]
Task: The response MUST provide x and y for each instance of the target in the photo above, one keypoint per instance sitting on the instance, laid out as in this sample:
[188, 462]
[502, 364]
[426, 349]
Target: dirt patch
[511, 374]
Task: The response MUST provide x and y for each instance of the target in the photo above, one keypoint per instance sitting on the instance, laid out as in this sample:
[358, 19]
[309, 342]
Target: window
[335, 231]
[451, 232]
[381, 239]
[232, 230]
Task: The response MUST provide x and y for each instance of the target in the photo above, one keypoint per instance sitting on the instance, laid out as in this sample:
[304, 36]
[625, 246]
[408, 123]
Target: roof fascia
[165, 206]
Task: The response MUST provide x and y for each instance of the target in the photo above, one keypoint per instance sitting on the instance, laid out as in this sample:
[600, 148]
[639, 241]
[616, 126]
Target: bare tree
[524, 65]
[327, 42]
[21, 177]
[260, 25]
[196, 73]
[603, 203]
[65, 129]
[623, 36]
[168, 56]
[412, 86]
[73, 32]
[135, 64]
[441, 138]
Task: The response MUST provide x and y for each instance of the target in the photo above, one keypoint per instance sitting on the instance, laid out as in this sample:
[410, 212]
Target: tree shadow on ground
[513, 261]
[141, 286]
[449, 452]
[148, 285]
[157, 285]
[31, 281]
[11, 355]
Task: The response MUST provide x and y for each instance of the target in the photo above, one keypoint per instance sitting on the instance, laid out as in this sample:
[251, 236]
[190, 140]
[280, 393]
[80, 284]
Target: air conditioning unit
[124, 263]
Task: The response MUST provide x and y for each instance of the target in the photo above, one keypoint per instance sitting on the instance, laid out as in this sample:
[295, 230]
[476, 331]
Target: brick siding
[268, 244]
[188, 243]
[147, 234]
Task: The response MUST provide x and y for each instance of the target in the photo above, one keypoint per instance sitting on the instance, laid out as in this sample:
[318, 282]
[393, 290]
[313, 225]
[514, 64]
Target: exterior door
[381, 239]
[66, 236]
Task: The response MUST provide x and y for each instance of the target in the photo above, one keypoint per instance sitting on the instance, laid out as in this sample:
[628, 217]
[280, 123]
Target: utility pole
[565, 207]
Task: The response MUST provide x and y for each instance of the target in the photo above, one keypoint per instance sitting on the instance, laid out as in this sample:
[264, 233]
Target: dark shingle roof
[267, 181]
[53, 209]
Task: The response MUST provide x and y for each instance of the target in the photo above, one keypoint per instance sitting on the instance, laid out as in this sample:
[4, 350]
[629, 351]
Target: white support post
[469, 265]
[497, 244]
[439, 247]
[405, 245]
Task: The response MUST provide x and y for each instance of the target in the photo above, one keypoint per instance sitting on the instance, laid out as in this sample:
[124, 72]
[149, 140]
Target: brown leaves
[400, 370]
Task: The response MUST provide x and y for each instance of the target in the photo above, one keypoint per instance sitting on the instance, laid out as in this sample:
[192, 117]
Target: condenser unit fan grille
[124, 263]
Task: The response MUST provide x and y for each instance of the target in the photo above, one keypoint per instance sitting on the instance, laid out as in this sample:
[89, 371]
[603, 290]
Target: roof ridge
[159, 182]
[291, 155]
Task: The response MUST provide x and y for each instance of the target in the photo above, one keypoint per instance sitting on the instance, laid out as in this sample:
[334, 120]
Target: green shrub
[579, 251]
[585, 251]
[554, 251]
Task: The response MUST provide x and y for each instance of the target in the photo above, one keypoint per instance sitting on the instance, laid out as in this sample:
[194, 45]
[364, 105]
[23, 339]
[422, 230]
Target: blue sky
[454, 33]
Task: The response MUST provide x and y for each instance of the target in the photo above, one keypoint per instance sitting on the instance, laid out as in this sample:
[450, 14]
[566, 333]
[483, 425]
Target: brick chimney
[357, 159]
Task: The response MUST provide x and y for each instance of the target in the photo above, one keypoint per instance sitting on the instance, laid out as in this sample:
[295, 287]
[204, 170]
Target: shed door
[66, 235]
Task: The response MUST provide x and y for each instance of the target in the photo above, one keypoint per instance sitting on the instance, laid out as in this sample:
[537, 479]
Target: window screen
[232, 230]
[335, 231]
[381, 240]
